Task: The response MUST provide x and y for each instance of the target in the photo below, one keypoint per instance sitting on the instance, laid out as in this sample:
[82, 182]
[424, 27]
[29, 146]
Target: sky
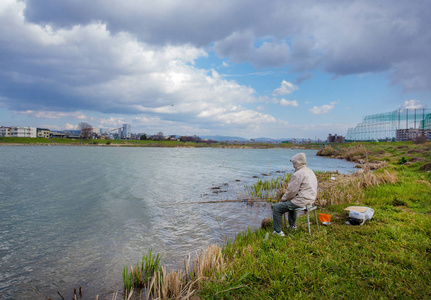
[247, 68]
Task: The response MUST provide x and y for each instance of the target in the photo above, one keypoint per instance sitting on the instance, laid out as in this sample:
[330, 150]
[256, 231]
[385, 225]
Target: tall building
[335, 139]
[125, 132]
[384, 126]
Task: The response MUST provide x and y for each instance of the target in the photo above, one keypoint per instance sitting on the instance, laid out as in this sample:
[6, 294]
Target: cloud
[87, 67]
[70, 126]
[341, 38]
[304, 77]
[52, 114]
[240, 47]
[321, 130]
[285, 102]
[111, 122]
[285, 89]
[161, 23]
[320, 110]
[353, 38]
[365, 38]
[412, 104]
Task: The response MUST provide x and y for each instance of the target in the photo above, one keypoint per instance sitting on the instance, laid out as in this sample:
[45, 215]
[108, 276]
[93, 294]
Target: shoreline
[263, 146]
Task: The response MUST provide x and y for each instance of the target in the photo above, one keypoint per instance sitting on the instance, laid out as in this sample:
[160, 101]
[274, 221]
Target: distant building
[97, 131]
[4, 131]
[335, 138]
[411, 134]
[125, 132]
[72, 134]
[384, 126]
[59, 135]
[18, 131]
[43, 133]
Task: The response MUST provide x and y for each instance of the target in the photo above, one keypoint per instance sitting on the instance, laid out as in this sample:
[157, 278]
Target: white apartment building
[97, 131]
[18, 131]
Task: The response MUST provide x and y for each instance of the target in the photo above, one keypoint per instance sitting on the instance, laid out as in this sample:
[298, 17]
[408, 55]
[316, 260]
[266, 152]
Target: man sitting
[301, 191]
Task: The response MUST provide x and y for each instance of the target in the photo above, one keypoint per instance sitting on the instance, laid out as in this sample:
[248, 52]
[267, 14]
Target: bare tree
[86, 130]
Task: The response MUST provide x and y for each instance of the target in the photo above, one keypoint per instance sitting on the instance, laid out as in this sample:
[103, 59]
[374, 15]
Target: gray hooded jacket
[302, 188]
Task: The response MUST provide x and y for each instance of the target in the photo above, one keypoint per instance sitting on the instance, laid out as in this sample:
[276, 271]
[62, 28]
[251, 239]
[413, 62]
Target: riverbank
[12, 141]
[388, 257]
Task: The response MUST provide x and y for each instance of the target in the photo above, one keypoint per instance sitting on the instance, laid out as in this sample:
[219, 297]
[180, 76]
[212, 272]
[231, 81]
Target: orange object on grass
[324, 218]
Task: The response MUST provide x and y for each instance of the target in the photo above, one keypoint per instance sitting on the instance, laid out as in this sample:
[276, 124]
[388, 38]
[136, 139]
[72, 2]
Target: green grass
[268, 188]
[24, 140]
[130, 143]
[146, 143]
[141, 275]
[389, 257]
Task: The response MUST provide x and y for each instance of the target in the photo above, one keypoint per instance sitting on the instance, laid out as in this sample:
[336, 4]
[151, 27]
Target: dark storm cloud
[240, 47]
[64, 13]
[158, 22]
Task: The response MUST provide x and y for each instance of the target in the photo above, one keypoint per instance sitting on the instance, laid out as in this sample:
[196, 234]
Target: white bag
[366, 215]
[360, 213]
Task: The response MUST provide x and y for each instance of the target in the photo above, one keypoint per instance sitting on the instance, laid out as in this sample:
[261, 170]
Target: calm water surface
[74, 216]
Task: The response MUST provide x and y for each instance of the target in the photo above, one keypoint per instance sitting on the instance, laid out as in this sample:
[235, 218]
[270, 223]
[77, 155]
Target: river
[75, 216]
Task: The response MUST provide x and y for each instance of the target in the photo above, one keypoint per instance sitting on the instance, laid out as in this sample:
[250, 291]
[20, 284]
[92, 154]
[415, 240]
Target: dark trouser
[277, 214]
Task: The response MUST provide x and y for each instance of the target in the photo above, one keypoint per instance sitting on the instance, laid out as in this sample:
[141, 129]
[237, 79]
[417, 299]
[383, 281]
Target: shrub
[402, 160]
[328, 151]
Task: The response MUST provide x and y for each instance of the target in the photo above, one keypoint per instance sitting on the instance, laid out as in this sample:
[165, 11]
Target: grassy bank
[82, 142]
[5, 141]
[388, 257]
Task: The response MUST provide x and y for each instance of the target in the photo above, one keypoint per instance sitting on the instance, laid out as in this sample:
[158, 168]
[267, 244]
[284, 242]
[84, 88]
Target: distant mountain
[78, 132]
[223, 138]
[220, 138]
[269, 140]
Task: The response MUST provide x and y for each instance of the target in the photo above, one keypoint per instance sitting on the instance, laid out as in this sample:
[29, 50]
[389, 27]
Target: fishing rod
[246, 200]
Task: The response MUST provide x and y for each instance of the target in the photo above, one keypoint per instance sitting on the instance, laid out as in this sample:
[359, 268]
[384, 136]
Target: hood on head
[299, 160]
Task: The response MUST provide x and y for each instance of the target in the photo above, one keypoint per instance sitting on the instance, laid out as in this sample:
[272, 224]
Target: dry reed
[354, 153]
[184, 284]
[351, 188]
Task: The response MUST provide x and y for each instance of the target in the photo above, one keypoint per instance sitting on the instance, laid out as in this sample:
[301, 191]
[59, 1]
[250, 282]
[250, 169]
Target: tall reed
[268, 188]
